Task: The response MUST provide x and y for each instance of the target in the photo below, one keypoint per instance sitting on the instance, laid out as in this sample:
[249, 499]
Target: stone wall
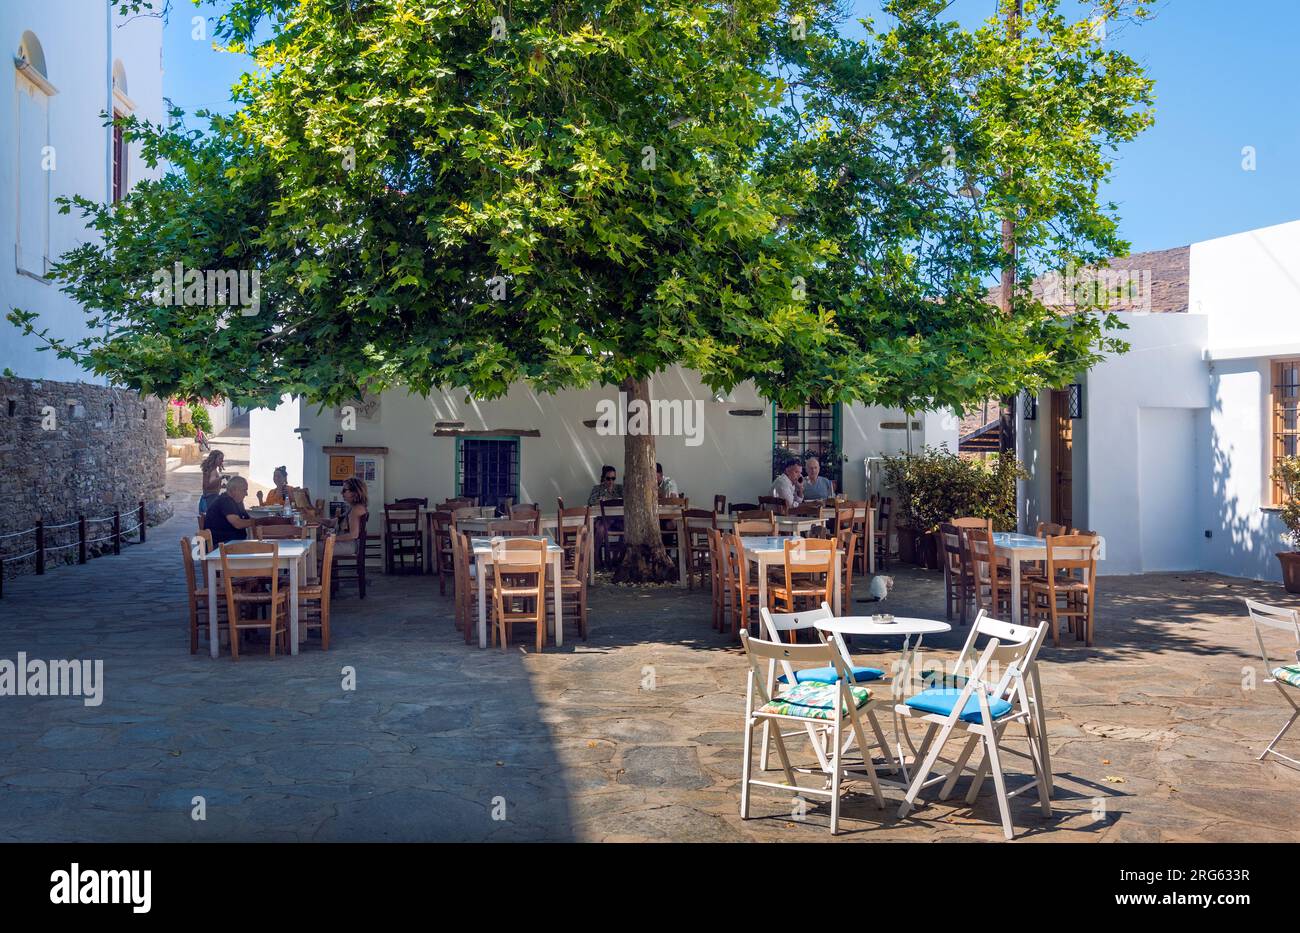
[73, 448]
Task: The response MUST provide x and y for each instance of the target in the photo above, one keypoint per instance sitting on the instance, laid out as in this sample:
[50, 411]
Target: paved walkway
[633, 734]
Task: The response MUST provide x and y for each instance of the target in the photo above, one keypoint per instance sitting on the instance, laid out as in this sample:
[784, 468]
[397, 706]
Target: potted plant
[935, 485]
[1288, 474]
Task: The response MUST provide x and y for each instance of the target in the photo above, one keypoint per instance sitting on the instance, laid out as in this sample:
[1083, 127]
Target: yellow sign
[342, 467]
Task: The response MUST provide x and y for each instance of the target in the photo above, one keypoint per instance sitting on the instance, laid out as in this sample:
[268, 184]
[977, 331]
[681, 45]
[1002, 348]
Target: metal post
[117, 531]
[81, 539]
[40, 546]
[142, 521]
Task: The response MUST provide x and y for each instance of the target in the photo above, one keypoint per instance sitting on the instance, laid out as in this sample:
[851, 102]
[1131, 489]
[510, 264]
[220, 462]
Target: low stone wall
[73, 448]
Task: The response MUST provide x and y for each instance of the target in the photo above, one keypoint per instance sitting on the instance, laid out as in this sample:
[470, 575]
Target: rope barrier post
[40, 546]
[117, 531]
[142, 521]
[81, 539]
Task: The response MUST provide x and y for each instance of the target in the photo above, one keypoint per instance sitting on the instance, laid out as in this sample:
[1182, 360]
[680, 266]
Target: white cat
[880, 587]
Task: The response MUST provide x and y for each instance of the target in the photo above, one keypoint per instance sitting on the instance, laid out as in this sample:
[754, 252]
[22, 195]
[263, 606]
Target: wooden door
[1062, 459]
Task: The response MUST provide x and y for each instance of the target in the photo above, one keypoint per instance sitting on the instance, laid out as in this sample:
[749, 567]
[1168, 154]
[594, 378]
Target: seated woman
[348, 525]
[283, 492]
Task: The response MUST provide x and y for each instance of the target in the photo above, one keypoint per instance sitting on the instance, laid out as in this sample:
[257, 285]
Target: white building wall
[75, 36]
[1248, 287]
[733, 457]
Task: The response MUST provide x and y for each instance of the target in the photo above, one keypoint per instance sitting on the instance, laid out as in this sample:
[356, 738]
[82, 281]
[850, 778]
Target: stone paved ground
[1153, 722]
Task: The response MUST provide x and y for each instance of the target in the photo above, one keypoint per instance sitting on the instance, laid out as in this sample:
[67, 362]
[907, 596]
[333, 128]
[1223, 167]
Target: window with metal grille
[487, 468]
[812, 430]
[1286, 418]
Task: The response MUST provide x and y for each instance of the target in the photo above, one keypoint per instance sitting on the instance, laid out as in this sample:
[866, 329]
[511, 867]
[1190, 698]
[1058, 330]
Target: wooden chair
[718, 576]
[354, 562]
[812, 510]
[848, 544]
[765, 526]
[568, 525]
[467, 583]
[202, 519]
[774, 503]
[697, 523]
[461, 502]
[266, 594]
[265, 531]
[990, 579]
[720, 504]
[573, 586]
[403, 539]
[1048, 529]
[958, 575]
[193, 551]
[738, 507]
[883, 532]
[742, 595]
[440, 529]
[672, 526]
[314, 600]
[611, 551]
[809, 575]
[1068, 586]
[529, 512]
[519, 587]
[860, 529]
[510, 528]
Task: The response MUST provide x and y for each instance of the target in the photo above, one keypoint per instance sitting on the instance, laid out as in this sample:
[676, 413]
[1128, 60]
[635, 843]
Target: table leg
[762, 591]
[681, 556]
[482, 602]
[557, 566]
[214, 645]
[293, 605]
[837, 598]
[871, 541]
[1015, 587]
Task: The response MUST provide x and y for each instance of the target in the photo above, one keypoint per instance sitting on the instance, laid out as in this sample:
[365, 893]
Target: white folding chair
[956, 674]
[981, 710]
[833, 705]
[1286, 677]
[774, 624]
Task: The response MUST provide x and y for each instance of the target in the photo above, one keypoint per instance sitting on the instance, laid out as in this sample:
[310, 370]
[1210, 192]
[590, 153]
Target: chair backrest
[1012, 648]
[737, 570]
[461, 502]
[238, 570]
[279, 532]
[848, 543]
[979, 524]
[763, 654]
[884, 512]
[1045, 529]
[411, 502]
[192, 551]
[777, 623]
[610, 503]
[679, 501]
[1264, 616]
[737, 508]
[843, 518]
[763, 527]
[525, 510]
[508, 528]
[572, 518]
[810, 556]
[813, 510]
[514, 556]
[463, 512]
[719, 503]
[775, 503]
[1072, 552]
[950, 537]
[699, 519]
[202, 520]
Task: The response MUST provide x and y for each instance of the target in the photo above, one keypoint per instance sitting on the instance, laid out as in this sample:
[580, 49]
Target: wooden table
[799, 524]
[1017, 548]
[766, 552]
[293, 555]
[482, 550]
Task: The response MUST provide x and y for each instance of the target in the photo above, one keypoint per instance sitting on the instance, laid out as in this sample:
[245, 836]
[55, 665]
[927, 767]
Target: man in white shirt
[789, 485]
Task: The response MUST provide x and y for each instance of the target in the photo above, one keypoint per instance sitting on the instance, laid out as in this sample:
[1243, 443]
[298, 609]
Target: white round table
[866, 625]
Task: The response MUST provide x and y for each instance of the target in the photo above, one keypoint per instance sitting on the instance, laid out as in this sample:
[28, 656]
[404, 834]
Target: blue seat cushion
[828, 675]
[940, 700]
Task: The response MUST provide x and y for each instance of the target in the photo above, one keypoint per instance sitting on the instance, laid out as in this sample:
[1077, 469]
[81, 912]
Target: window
[122, 107]
[487, 468]
[34, 156]
[119, 162]
[812, 430]
[1286, 418]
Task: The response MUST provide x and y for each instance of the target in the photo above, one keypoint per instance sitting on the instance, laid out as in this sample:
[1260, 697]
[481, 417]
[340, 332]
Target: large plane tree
[473, 194]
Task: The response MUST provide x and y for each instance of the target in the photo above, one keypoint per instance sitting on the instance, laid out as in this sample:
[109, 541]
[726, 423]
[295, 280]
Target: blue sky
[1225, 79]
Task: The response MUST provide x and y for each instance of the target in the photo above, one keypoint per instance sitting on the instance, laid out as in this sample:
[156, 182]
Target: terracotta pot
[1290, 561]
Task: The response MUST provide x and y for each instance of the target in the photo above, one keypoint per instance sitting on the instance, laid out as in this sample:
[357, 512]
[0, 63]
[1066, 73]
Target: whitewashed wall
[76, 37]
[1248, 286]
[734, 457]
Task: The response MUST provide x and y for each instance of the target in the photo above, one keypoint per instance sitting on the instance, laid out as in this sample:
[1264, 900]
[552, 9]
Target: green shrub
[936, 486]
[172, 429]
[1288, 474]
[202, 420]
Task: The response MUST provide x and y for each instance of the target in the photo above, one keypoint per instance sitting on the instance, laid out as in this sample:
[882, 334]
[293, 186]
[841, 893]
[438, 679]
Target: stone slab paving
[631, 735]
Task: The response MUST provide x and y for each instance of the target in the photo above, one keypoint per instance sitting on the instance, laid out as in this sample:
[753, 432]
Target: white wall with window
[53, 143]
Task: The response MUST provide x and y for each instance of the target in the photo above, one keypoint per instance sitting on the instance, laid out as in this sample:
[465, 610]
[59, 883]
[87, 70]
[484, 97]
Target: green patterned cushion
[1288, 675]
[813, 701]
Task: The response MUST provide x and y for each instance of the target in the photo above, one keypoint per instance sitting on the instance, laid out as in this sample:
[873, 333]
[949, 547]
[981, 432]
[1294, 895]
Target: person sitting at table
[348, 525]
[607, 488]
[283, 492]
[666, 485]
[789, 485]
[226, 518]
[816, 486]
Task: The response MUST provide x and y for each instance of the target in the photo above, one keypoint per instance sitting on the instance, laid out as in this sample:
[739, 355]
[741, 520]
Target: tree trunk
[644, 557]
